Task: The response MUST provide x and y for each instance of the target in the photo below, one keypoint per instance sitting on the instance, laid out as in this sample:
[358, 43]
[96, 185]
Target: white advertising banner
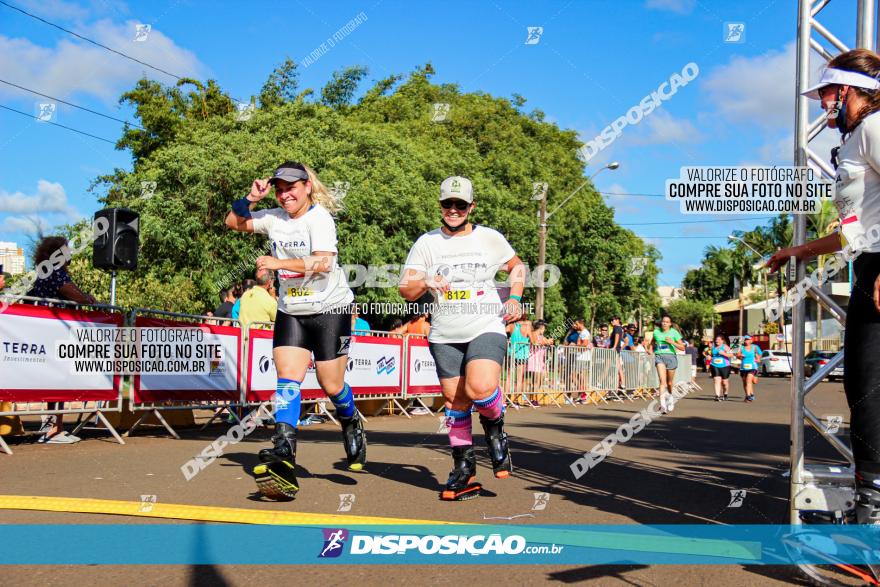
[29, 361]
[422, 370]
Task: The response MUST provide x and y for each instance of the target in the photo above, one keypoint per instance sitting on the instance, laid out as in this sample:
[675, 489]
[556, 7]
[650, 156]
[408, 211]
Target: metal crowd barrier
[70, 406]
[575, 374]
[214, 399]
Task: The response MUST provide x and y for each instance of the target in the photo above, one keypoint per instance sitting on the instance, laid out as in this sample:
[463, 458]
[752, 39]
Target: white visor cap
[842, 78]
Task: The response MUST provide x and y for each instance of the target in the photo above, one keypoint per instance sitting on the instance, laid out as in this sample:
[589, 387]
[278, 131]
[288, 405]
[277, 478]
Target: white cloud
[677, 6]
[756, 89]
[31, 210]
[759, 89]
[31, 225]
[75, 67]
[663, 128]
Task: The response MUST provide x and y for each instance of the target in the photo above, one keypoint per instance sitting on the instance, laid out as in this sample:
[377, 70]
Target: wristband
[517, 298]
[241, 207]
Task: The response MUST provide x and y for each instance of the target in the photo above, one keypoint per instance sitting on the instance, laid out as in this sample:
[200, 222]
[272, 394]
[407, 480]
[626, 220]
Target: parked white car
[735, 362]
[776, 363]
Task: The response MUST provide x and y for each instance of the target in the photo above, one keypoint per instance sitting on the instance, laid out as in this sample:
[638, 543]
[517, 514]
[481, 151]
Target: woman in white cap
[314, 314]
[457, 264]
[850, 93]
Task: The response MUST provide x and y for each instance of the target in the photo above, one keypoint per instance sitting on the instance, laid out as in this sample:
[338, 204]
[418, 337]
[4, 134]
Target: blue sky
[593, 61]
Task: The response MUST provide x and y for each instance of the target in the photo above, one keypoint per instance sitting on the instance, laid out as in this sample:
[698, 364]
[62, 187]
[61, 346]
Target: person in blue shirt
[750, 354]
[359, 326]
[719, 365]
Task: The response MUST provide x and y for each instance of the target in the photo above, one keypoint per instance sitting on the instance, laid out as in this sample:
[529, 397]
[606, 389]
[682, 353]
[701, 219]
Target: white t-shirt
[858, 183]
[472, 306]
[584, 335]
[295, 238]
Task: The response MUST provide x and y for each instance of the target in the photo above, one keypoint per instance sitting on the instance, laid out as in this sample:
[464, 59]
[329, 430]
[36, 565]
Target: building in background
[12, 258]
[668, 293]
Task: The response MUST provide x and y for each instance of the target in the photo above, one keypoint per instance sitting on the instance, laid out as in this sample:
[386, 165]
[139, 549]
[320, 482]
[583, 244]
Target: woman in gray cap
[314, 313]
[457, 264]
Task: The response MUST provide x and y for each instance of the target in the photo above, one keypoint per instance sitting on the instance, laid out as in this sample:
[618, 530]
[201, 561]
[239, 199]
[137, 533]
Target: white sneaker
[663, 395]
[670, 405]
[60, 438]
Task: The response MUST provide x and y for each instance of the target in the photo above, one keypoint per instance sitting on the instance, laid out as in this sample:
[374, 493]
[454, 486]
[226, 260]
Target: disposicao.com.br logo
[493, 544]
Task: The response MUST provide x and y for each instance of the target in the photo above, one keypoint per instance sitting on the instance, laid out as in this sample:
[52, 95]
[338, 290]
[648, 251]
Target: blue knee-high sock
[287, 401]
[343, 402]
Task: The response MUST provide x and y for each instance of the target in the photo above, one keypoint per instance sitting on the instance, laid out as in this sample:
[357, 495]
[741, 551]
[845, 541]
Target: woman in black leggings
[850, 94]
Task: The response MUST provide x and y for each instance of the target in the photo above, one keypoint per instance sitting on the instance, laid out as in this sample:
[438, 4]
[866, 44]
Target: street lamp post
[542, 234]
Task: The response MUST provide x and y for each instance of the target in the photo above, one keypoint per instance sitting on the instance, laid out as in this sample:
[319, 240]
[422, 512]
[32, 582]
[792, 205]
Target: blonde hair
[321, 195]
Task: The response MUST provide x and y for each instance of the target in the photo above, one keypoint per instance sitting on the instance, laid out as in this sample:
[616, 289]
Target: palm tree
[821, 224]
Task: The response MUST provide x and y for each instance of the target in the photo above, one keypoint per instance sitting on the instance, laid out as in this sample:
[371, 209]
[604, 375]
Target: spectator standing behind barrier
[257, 304]
[227, 300]
[602, 340]
[359, 326]
[57, 286]
[238, 292]
[397, 326]
[517, 353]
[580, 368]
[419, 325]
[618, 342]
[537, 364]
[629, 337]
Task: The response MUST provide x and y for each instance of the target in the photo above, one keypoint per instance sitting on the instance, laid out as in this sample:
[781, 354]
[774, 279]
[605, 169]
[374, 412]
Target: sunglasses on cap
[457, 204]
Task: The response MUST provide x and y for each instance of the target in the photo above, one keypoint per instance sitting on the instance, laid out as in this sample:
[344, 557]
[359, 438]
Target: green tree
[393, 157]
[281, 85]
[340, 90]
[693, 316]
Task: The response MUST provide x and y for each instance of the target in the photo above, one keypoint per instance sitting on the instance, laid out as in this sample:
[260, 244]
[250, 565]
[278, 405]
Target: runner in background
[314, 314]
[457, 264]
[721, 354]
[665, 341]
[750, 354]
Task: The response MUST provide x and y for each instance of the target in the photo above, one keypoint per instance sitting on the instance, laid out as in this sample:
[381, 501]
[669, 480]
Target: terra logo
[334, 541]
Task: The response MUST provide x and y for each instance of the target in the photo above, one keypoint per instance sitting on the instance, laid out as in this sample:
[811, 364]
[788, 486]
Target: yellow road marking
[192, 512]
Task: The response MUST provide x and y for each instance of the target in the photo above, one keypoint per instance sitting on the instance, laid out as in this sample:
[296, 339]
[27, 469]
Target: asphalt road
[679, 469]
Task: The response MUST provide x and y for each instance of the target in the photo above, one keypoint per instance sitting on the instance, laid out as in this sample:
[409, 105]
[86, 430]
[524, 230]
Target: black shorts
[327, 335]
[451, 357]
[722, 372]
[749, 372]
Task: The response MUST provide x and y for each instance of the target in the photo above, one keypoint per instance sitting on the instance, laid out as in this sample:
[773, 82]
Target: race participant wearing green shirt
[665, 342]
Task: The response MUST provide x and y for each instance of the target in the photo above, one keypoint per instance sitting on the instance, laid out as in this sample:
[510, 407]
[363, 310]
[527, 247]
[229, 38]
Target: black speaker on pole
[117, 248]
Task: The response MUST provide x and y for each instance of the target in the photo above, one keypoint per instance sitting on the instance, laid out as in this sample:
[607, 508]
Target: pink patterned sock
[491, 407]
[459, 423]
